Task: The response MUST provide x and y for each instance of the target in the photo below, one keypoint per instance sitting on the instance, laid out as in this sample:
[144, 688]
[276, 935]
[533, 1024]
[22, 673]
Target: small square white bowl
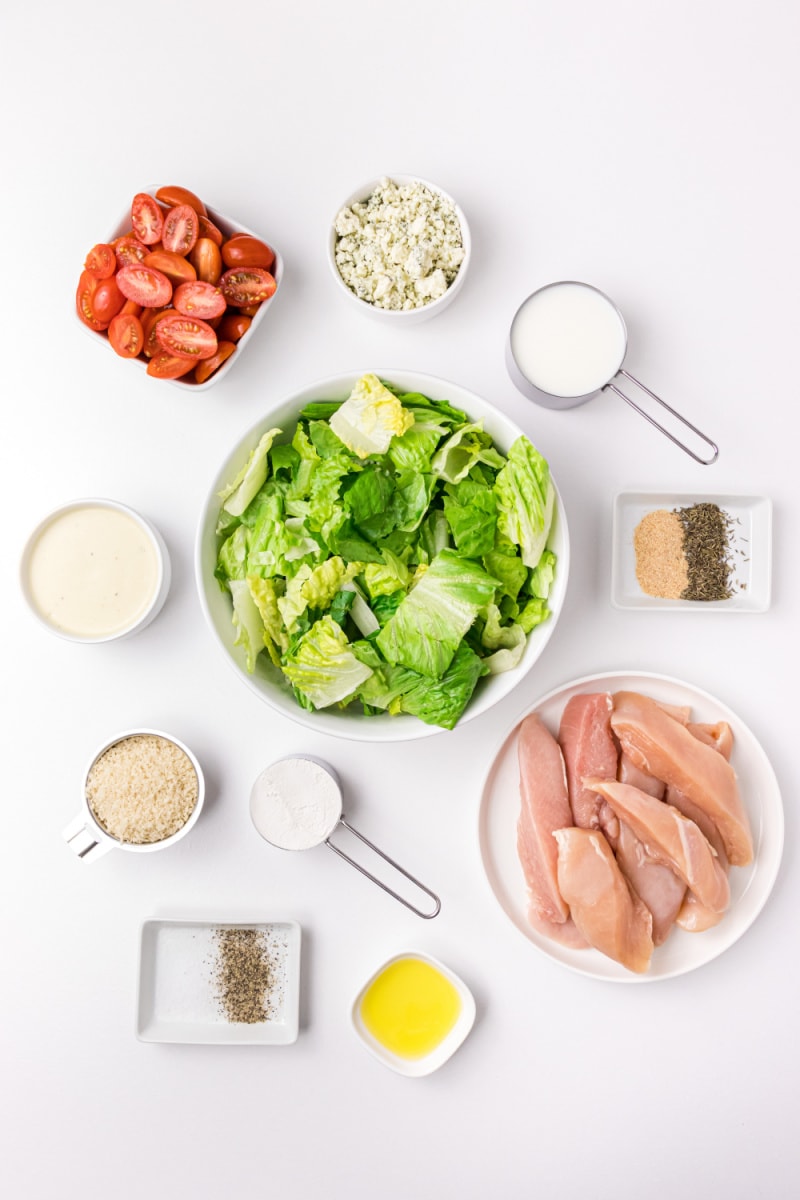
[227, 226]
[177, 997]
[417, 1067]
[751, 549]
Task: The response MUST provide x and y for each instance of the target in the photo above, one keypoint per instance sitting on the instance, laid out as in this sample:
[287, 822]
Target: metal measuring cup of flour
[87, 838]
[567, 344]
[296, 804]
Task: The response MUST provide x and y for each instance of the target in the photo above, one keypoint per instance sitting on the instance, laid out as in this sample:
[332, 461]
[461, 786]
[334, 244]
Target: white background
[648, 148]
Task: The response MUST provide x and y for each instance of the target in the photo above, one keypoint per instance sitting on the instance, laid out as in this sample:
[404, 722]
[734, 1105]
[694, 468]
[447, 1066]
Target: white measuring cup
[296, 804]
[567, 344]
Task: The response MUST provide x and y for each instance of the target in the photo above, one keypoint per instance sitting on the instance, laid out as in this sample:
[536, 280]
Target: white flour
[295, 803]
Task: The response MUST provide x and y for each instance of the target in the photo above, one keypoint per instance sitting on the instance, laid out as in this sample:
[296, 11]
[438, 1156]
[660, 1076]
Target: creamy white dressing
[93, 571]
[568, 339]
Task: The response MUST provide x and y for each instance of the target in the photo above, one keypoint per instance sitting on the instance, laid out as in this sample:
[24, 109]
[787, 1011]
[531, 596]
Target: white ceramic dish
[417, 1067]
[414, 315]
[751, 548]
[161, 590]
[750, 886]
[267, 682]
[226, 226]
[178, 999]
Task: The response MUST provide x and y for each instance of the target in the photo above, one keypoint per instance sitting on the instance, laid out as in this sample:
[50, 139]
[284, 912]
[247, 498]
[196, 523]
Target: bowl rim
[350, 725]
[222, 221]
[160, 591]
[435, 306]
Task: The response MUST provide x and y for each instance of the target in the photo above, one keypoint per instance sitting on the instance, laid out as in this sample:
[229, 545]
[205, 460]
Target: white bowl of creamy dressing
[95, 570]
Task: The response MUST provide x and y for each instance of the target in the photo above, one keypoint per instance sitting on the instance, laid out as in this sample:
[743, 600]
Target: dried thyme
[707, 550]
[246, 976]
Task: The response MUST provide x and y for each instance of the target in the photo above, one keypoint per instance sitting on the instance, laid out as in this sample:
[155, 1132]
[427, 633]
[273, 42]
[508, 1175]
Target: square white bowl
[417, 1067]
[751, 548]
[227, 226]
[177, 1001]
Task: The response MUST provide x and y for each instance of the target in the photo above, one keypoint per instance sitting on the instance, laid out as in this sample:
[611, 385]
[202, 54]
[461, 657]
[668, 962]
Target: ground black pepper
[244, 975]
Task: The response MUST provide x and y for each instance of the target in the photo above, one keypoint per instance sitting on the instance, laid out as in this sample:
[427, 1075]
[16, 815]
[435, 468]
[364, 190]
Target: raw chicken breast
[558, 930]
[589, 749]
[661, 746]
[605, 909]
[655, 884]
[544, 808]
[628, 772]
[719, 736]
[694, 917]
[671, 839]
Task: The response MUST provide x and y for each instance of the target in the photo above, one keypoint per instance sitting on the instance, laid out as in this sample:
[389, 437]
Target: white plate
[178, 999]
[750, 886]
[751, 544]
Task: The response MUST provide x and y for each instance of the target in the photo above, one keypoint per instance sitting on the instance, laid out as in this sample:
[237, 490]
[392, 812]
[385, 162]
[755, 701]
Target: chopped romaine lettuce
[370, 417]
[323, 666]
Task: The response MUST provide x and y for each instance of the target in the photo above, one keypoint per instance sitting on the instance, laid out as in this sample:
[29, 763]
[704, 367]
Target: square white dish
[179, 1000]
[446, 1048]
[751, 549]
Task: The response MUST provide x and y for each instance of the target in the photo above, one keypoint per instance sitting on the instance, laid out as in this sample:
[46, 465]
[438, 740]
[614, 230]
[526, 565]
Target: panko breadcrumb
[142, 789]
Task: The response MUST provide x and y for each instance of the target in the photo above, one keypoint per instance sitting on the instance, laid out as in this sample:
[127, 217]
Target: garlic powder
[401, 248]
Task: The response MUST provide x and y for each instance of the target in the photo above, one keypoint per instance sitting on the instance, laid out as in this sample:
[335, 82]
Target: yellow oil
[410, 1008]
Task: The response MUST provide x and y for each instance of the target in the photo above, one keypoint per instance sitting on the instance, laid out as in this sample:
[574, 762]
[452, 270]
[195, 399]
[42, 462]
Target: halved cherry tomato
[130, 308]
[176, 268]
[199, 300]
[129, 250]
[247, 285]
[181, 229]
[150, 318]
[209, 230]
[171, 196]
[169, 366]
[234, 325]
[146, 218]
[101, 261]
[146, 285]
[84, 302]
[242, 250]
[126, 335]
[206, 260]
[209, 365]
[186, 337]
[107, 299]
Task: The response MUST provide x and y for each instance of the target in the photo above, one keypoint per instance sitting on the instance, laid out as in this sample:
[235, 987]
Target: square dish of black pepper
[692, 552]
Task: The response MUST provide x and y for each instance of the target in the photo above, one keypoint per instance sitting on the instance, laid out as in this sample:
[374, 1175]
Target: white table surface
[648, 148]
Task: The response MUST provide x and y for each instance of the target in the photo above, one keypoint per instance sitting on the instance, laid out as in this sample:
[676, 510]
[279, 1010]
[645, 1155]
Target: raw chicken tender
[661, 746]
[544, 808]
[671, 839]
[628, 772]
[654, 883]
[589, 749]
[605, 909]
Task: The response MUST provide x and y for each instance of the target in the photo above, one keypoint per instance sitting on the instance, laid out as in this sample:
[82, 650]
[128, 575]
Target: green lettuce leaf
[471, 512]
[440, 701]
[323, 666]
[237, 495]
[370, 417]
[247, 621]
[526, 499]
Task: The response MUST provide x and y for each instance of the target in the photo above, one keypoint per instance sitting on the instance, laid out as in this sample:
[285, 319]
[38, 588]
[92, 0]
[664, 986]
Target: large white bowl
[266, 681]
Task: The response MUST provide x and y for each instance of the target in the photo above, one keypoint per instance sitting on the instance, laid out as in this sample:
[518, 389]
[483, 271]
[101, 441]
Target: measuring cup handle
[83, 842]
[426, 915]
[619, 392]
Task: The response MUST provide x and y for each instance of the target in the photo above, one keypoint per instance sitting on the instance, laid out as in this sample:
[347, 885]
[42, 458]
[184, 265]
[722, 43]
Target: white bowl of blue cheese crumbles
[400, 247]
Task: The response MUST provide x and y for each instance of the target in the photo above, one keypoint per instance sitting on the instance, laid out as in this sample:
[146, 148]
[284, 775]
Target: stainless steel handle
[425, 915]
[619, 392]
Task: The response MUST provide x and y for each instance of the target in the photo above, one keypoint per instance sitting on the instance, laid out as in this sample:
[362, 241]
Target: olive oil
[410, 1008]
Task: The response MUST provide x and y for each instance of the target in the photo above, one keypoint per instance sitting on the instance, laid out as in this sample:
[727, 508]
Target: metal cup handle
[420, 913]
[87, 845]
[619, 392]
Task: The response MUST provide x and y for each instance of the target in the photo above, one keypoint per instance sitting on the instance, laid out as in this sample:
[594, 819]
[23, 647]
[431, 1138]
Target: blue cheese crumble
[401, 248]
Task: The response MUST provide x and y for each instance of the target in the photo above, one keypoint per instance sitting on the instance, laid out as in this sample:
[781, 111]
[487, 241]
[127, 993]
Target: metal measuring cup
[303, 812]
[554, 399]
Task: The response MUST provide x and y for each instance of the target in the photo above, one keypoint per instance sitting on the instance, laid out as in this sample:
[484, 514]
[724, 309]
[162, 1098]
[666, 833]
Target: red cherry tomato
[84, 302]
[234, 325]
[126, 335]
[209, 230]
[169, 366]
[146, 218]
[206, 260]
[107, 299]
[186, 337]
[150, 318]
[172, 196]
[243, 286]
[242, 250]
[209, 365]
[181, 229]
[174, 266]
[199, 300]
[129, 250]
[101, 261]
[144, 285]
